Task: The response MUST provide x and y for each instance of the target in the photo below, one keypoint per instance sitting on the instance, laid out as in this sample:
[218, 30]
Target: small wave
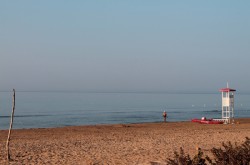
[214, 110]
[24, 116]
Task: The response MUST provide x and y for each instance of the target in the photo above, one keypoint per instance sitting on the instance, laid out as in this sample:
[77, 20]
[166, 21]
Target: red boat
[203, 120]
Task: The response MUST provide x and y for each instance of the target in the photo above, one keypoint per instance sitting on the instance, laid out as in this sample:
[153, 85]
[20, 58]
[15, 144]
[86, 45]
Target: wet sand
[117, 144]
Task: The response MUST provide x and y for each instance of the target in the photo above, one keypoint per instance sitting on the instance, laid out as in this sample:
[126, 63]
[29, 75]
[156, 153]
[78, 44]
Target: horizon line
[127, 91]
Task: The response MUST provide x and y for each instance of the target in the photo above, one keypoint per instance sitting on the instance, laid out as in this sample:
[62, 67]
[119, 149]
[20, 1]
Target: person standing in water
[164, 114]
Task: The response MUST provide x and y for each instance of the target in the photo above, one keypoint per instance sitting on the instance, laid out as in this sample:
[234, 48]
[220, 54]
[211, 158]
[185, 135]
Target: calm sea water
[57, 109]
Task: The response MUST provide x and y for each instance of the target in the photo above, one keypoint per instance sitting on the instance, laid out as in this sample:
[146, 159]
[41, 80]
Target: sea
[59, 109]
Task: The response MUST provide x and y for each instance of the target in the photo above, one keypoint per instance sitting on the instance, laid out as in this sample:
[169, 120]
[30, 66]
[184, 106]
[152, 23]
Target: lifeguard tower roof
[227, 90]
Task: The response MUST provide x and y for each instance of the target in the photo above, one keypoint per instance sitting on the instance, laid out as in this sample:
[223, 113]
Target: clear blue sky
[129, 45]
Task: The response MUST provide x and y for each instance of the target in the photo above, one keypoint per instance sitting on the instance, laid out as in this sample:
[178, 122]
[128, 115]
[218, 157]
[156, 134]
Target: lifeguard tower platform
[227, 105]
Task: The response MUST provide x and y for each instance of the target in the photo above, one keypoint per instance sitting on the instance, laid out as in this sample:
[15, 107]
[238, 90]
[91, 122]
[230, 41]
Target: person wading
[164, 114]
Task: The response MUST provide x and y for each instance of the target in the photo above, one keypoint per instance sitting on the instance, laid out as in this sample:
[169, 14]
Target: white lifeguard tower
[227, 104]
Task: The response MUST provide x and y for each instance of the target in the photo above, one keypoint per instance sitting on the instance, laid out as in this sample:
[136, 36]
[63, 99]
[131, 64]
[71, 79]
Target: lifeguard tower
[227, 104]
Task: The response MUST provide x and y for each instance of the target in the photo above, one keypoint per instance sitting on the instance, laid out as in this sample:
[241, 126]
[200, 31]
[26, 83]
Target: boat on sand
[204, 120]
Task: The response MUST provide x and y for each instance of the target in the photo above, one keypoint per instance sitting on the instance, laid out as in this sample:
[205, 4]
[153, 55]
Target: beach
[117, 144]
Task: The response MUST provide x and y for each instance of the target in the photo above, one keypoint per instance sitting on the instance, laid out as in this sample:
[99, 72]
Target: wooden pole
[11, 123]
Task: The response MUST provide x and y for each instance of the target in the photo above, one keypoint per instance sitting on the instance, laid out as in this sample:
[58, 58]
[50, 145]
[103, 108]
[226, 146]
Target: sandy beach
[117, 144]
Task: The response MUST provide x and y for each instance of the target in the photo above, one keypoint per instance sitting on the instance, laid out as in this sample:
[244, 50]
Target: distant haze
[124, 45]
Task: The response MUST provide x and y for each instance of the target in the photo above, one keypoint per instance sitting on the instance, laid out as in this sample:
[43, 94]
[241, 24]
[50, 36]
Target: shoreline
[242, 119]
[139, 143]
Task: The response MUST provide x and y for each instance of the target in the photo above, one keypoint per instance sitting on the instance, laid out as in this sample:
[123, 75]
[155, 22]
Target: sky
[132, 45]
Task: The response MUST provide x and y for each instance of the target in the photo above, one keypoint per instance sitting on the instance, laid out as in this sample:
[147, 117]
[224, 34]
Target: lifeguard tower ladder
[227, 105]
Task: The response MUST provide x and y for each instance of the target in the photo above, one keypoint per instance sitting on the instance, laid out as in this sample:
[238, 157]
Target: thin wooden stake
[11, 123]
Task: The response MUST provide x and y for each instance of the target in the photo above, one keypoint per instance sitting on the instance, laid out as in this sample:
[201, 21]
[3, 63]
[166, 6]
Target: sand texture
[117, 144]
